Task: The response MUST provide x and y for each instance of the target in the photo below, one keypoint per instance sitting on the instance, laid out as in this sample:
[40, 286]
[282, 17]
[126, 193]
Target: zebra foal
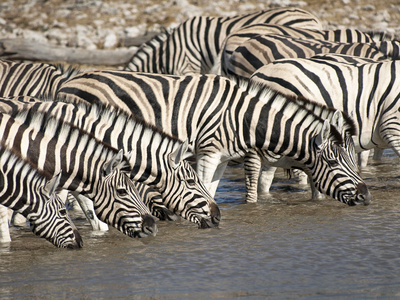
[224, 121]
[156, 159]
[87, 166]
[193, 46]
[30, 192]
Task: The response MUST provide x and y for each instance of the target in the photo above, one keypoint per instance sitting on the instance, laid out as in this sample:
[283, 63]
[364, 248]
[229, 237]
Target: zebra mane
[115, 115]
[264, 92]
[20, 164]
[60, 130]
[67, 71]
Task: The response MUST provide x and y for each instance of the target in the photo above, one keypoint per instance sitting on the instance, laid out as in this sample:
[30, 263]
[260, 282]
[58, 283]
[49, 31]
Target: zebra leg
[88, 209]
[378, 153]
[4, 225]
[252, 169]
[18, 220]
[266, 177]
[300, 176]
[363, 158]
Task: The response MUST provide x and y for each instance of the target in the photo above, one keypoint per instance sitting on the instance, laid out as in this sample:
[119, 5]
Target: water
[283, 247]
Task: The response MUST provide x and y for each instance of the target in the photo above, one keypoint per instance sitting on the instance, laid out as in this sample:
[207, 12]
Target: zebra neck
[277, 124]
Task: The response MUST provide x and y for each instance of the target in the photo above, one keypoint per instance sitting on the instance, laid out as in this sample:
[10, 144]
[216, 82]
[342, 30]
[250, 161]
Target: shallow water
[283, 247]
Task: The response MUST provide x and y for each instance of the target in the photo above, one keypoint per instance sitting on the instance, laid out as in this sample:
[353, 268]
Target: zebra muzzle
[362, 197]
[77, 243]
[215, 217]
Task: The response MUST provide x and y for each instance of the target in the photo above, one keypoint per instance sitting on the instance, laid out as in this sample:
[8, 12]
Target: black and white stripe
[156, 159]
[193, 46]
[264, 49]
[236, 39]
[29, 192]
[367, 91]
[32, 79]
[224, 121]
[87, 165]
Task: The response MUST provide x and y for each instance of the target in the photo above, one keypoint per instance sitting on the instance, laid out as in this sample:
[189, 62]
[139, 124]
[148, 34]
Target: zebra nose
[363, 195]
[214, 220]
[149, 226]
[78, 242]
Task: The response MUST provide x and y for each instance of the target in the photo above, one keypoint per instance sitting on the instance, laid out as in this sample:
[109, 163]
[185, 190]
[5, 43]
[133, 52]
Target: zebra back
[32, 79]
[264, 49]
[235, 39]
[193, 46]
[88, 166]
[156, 159]
[221, 119]
[29, 192]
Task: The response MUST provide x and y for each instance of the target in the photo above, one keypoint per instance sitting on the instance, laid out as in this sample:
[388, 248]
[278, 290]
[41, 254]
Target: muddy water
[283, 247]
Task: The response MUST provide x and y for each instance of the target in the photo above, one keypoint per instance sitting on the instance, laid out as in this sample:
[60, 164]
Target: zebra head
[123, 208]
[53, 222]
[190, 198]
[335, 172]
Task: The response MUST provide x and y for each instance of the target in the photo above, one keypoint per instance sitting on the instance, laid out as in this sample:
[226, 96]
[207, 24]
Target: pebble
[102, 24]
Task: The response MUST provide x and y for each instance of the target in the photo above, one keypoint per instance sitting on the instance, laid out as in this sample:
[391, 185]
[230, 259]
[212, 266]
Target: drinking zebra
[32, 79]
[156, 159]
[224, 121]
[28, 191]
[264, 49]
[367, 91]
[87, 166]
[236, 39]
[193, 46]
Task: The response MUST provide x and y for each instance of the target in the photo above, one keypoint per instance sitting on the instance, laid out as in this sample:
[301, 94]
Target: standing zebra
[156, 159]
[32, 79]
[193, 46]
[28, 191]
[223, 121]
[367, 91]
[236, 39]
[87, 166]
[264, 49]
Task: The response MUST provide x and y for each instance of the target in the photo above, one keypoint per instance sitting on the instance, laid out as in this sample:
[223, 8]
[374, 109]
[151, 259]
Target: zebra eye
[63, 212]
[121, 192]
[333, 163]
[191, 182]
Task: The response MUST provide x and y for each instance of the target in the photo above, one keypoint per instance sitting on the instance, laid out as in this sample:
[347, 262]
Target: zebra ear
[52, 185]
[323, 136]
[113, 163]
[338, 120]
[179, 154]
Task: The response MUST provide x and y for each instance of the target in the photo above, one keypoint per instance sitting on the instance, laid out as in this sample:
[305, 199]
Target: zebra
[224, 120]
[156, 158]
[236, 39]
[264, 49]
[32, 79]
[88, 167]
[365, 90]
[25, 189]
[193, 46]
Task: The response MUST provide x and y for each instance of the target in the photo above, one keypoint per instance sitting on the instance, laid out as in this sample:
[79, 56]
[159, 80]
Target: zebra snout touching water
[87, 166]
[156, 159]
[29, 192]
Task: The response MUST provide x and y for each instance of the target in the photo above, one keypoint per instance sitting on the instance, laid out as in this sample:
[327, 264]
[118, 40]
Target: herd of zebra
[268, 89]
